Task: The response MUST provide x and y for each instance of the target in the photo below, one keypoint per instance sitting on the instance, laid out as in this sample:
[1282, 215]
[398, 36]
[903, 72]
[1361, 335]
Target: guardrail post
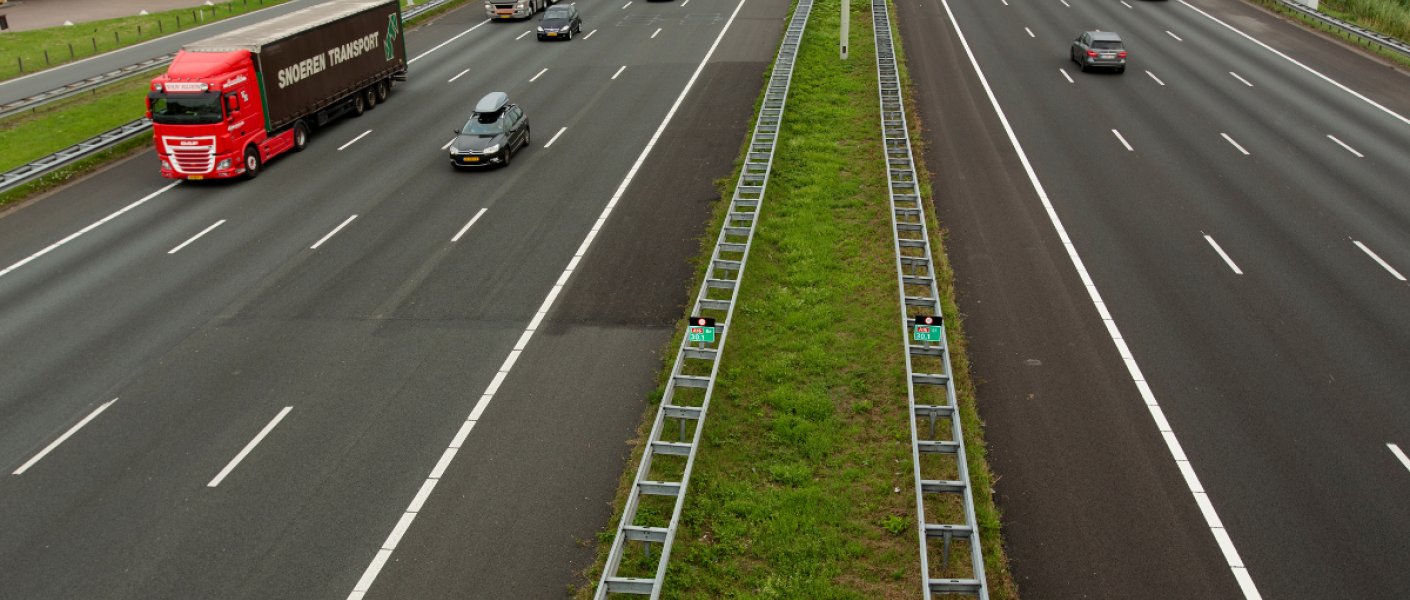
[71, 51]
[20, 60]
[46, 57]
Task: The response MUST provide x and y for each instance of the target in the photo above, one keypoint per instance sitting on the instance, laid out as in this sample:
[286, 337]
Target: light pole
[846, 11]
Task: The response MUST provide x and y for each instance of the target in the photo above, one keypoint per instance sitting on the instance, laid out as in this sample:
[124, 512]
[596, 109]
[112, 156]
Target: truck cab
[515, 9]
[207, 116]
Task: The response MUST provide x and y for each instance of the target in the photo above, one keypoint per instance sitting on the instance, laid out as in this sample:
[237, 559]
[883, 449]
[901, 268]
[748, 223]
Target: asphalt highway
[43, 81]
[200, 403]
[1237, 198]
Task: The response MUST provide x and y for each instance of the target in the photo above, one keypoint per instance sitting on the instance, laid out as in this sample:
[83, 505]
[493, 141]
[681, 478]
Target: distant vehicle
[492, 134]
[515, 9]
[228, 104]
[560, 22]
[1099, 49]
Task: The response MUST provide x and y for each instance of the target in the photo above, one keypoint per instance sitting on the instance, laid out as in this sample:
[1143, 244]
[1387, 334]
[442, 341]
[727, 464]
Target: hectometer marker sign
[702, 329]
[928, 328]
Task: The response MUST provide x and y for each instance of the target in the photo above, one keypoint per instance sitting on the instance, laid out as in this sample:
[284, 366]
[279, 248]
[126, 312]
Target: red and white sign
[185, 86]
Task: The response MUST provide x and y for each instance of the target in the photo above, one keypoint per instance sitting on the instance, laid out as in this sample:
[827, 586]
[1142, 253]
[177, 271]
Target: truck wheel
[382, 87]
[300, 137]
[252, 163]
[359, 105]
[371, 98]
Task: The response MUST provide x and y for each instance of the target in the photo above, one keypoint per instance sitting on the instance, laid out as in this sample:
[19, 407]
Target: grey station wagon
[1099, 49]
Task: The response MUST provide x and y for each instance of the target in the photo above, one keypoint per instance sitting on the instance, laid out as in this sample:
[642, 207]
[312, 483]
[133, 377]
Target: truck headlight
[166, 166]
[492, 149]
[224, 164]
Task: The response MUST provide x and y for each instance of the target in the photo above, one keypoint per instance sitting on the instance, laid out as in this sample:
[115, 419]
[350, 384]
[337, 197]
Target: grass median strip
[802, 487]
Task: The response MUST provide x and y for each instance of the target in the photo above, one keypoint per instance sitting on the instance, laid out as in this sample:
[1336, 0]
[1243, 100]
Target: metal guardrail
[1374, 37]
[73, 154]
[683, 401]
[412, 12]
[78, 87]
[919, 297]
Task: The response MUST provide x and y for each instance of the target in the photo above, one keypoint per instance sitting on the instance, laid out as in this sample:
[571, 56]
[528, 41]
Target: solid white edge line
[619, 71]
[332, 233]
[653, 36]
[1030, 32]
[1245, 81]
[442, 44]
[555, 137]
[1348, 148]
[354, 140]
[55, 444]
[1223, 255]
[1123, 141]
[521, 36]
[1404, 460]
[590, 34]
[1065, 75]
[380, 559]
[1236, 144]
[458, 76]
[1236, 566]
[467, 225]
[1305, 67]
[1172, 34]
[545, 70]
[1378, 259]
[1157, 79]
[87, 229]
[195, 237]
[234, 462]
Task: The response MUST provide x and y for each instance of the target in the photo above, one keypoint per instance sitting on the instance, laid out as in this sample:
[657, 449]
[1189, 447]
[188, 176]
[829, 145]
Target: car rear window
[1106, 45]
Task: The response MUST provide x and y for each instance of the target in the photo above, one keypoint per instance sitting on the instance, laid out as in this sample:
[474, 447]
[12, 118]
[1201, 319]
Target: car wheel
[252, 163]
[568, 35]
[526, 137]
[508, 152]
[382, 88]
[300, 137]
[359, 105]
[1120, 70]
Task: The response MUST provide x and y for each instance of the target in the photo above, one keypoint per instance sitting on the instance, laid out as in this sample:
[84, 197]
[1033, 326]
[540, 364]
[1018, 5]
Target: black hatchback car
[560, 22]
[1099, 49]
[492, 134]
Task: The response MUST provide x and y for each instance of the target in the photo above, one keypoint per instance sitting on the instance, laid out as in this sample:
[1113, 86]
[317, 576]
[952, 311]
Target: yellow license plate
[552, 34]
[195, 176]
[472, 159]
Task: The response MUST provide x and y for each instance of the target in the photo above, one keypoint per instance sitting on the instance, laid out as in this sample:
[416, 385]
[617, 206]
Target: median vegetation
[802, 486]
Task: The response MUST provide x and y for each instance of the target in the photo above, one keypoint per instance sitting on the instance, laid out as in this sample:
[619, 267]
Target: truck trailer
[228, 104]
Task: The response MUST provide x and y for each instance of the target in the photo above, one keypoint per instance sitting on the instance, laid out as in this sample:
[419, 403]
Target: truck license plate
[195, 176]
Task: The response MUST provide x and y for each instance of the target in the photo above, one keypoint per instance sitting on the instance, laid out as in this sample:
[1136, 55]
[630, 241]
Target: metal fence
[922, 318]
[687, 397]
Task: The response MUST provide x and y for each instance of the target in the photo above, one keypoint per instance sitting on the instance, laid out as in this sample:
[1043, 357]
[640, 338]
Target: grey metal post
[846, 20]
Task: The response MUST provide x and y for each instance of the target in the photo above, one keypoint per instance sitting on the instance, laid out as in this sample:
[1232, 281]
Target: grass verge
[78, 169]
[68, 43]
[802, 487]
[1391, 17]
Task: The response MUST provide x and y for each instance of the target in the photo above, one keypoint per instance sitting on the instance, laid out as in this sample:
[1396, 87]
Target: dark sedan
[491, 136]
[560, 22]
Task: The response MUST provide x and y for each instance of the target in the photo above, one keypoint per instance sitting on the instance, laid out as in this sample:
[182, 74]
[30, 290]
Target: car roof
[1105, 35]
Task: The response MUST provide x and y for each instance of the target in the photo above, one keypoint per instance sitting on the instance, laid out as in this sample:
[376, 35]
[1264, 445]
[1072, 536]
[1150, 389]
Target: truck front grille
[191, 156]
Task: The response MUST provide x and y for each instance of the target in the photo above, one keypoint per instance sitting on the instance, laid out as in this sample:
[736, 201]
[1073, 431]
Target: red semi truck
[228, 104]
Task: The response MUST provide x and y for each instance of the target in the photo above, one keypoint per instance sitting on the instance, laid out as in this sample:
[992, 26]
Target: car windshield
[186, 111]
[476, 126]
[1106, 45]
[558, 14]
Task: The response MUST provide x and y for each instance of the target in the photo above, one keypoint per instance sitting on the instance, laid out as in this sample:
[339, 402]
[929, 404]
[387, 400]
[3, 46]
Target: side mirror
[457, 131]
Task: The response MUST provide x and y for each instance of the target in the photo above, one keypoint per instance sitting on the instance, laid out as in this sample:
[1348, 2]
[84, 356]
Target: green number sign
[701, 329]
[928, 328]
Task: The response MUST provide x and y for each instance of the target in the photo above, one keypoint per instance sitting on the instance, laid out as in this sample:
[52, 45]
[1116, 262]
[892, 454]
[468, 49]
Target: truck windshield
[477, 127]
[200, 110]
